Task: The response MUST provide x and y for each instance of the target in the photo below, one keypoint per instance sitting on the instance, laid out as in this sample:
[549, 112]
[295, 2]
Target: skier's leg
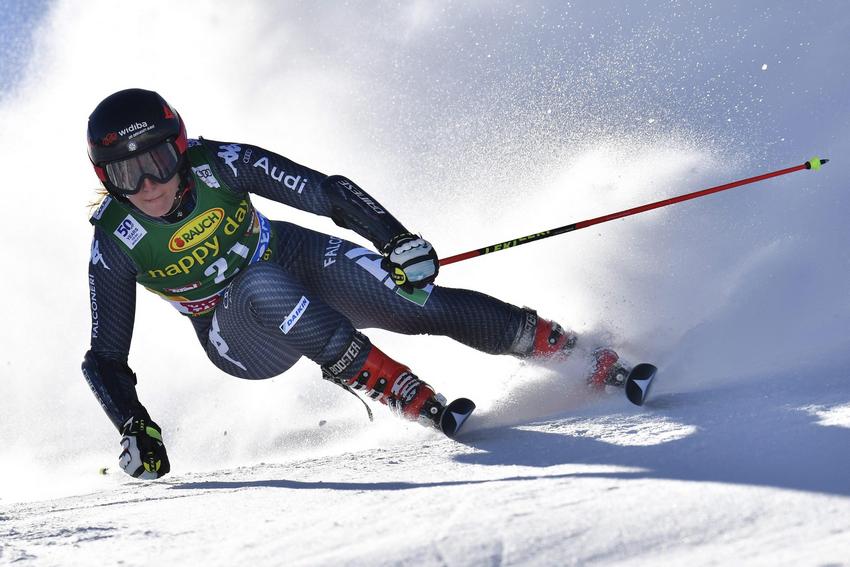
[350, 278]
[267, 320]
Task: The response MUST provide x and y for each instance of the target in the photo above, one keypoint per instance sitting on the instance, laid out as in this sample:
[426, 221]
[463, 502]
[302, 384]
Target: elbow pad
[354, 209]
[114, 385]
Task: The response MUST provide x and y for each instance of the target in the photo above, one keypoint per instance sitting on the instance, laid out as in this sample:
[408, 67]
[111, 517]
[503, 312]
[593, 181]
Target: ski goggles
[160, 163]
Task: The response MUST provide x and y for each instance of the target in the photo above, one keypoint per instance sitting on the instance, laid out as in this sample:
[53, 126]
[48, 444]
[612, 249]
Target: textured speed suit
[306, 296]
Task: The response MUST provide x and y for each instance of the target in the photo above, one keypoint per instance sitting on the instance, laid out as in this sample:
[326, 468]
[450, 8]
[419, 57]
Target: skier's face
[156, 199]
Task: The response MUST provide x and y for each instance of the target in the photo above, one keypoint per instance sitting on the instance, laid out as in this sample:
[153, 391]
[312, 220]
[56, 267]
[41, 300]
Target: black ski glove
[144, 454]
[410, 261]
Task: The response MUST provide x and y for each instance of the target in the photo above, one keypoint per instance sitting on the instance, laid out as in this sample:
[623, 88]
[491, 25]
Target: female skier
[178, 219]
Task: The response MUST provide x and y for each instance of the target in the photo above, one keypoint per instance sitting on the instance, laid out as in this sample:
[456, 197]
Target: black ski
[639, 382]
[455, 415]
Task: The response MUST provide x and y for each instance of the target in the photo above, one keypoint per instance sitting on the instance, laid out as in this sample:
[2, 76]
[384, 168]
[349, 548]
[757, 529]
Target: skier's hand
[410, 261]
[144, 454]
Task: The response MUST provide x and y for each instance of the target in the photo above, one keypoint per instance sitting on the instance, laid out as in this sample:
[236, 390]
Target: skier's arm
[112, 299]
[112, 295]
[256, 170]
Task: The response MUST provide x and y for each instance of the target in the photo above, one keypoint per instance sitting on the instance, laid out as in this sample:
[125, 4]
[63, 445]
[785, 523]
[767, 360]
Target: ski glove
[410, 261]
[144, 454]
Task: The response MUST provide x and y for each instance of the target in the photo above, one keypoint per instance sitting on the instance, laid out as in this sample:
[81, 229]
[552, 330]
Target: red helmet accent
[101, 173]
[181, 141]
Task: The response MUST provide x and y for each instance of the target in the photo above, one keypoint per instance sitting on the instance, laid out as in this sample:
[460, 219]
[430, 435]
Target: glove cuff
[142, 424]
[396, 240]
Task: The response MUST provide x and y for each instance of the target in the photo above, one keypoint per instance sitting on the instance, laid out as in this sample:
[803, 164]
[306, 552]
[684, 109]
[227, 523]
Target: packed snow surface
[474, 123]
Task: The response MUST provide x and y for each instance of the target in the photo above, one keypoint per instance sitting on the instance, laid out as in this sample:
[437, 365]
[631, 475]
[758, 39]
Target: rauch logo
[196, 230]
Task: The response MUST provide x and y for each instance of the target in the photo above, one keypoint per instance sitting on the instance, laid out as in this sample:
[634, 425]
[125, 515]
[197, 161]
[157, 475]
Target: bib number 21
[219, 267]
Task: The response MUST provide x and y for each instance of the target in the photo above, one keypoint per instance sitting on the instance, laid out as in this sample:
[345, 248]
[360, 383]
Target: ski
[639, 382]
[454, 416]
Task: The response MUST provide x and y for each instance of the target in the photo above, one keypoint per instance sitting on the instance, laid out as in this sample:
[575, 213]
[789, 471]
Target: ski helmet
[133, 135]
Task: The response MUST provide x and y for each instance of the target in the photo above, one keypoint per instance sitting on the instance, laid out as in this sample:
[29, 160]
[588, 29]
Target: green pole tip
[815, 163]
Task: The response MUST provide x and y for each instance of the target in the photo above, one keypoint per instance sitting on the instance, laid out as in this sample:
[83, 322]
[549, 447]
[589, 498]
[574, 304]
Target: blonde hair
[101, 194]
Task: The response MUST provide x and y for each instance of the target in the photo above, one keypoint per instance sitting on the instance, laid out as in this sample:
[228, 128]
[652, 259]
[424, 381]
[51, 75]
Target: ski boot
[607, 370]
[541, 339]
[391, 383]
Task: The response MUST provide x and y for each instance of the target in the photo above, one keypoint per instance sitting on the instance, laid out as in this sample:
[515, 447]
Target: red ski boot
[552, 341]
[540, 339]
[607, 370]
[383, 379]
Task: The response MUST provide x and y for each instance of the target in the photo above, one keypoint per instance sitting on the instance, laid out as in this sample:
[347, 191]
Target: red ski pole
[814, 163]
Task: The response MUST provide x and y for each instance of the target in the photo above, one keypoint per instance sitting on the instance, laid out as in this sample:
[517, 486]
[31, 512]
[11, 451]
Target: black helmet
[132, 135]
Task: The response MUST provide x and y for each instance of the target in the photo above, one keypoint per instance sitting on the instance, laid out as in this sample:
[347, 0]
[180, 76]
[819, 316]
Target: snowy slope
[473, 124]
[728, 476]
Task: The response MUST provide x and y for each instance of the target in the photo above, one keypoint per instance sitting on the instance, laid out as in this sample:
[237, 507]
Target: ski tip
[455, 415]
[639, 382]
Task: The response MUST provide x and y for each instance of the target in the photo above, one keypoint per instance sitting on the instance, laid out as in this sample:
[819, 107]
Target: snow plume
[473, 123]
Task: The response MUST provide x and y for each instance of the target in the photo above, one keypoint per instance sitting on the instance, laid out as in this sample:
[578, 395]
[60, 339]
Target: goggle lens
[159, 163]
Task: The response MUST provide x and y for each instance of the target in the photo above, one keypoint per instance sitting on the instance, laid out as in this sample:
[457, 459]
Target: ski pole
[815, 163]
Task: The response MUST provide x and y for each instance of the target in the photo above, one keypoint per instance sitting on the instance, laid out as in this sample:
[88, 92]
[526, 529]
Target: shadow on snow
[753, 434]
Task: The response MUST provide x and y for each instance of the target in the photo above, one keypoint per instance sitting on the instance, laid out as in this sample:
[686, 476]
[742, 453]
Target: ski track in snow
[473, 123]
